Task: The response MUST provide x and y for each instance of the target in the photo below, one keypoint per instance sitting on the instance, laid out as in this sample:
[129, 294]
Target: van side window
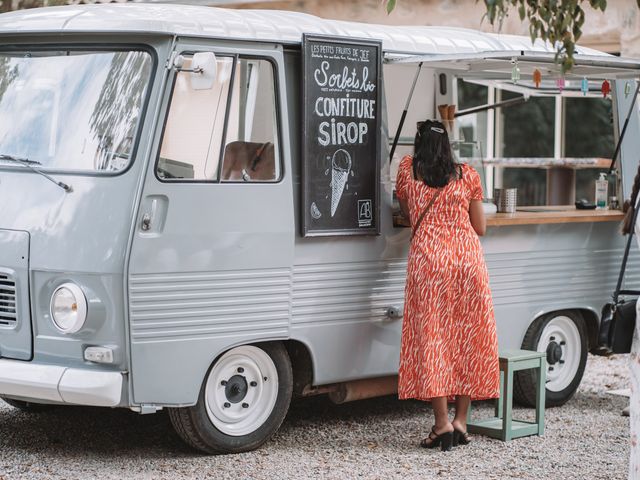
[194, 127]
[251, 151]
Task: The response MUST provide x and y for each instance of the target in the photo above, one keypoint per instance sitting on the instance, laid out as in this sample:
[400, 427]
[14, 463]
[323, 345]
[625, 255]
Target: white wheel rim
[236, 408]
[561, 334]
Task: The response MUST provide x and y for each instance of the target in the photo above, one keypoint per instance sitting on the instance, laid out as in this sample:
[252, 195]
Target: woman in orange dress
[449, 344]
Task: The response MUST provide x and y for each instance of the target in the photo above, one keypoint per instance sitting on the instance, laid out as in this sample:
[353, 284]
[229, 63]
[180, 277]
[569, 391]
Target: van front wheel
[242, 402]
[562, 336]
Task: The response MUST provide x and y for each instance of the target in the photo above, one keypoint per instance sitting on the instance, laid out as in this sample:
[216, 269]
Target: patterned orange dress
[449, 342]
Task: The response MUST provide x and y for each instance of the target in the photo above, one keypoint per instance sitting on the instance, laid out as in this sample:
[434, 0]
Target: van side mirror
[204, 69]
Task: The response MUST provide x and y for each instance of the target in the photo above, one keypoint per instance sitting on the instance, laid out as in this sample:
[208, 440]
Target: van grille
[8, 314]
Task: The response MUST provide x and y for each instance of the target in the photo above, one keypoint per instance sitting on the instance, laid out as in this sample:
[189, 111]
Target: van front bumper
[60, 384]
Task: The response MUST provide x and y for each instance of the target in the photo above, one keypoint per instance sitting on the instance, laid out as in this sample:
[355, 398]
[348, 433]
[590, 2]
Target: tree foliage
[558, 21]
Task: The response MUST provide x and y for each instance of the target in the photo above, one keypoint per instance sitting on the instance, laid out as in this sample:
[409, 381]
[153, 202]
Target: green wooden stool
[503, 426]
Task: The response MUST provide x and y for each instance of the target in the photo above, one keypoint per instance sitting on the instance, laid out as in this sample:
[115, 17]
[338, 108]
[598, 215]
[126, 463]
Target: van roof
[261, 25]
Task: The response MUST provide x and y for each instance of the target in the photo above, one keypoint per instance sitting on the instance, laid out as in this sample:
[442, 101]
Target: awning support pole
[483, 108]
[404, 114]
[624, 130]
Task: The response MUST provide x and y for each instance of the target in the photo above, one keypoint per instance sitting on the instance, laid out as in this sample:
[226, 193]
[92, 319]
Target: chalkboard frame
[307, 231]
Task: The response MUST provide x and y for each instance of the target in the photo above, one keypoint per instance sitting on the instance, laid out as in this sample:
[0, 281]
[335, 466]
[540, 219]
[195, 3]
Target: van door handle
[154, 213]
[145, 225]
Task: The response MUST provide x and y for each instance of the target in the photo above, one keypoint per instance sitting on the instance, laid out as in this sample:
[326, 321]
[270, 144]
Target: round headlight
[68, 308]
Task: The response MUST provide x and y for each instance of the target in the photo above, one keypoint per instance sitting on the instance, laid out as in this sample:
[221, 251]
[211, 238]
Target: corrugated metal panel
[197, 305]
[334, 293]
[346, 292]
[556, 276]
[262, 25]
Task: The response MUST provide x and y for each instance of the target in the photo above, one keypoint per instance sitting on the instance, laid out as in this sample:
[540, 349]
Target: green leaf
[491, 15]
[391, 4]
[545, 14]
[577, 33]
[559, 22]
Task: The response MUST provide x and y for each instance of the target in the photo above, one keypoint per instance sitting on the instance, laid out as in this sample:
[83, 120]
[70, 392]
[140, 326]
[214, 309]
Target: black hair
[433, 161]
[629, 205]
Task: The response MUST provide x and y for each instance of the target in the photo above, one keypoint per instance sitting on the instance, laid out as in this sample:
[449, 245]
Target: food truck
[198, 214]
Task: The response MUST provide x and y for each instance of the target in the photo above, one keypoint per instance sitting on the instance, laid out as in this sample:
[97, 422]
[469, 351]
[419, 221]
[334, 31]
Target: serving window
[538, 144]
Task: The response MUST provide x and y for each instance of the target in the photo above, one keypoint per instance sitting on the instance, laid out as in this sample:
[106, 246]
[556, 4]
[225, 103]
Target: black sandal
[443, 440]
[460, 437]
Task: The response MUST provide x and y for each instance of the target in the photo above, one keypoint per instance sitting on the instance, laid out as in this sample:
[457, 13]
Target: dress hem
[450, 396]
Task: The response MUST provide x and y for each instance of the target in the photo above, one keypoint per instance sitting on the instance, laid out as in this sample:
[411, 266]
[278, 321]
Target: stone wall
[615, 31]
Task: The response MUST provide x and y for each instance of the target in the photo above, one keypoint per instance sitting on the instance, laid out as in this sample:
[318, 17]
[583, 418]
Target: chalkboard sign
[341, 136]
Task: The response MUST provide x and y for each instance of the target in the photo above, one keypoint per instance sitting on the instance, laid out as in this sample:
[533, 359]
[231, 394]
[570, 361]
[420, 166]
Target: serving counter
[541, 215]
[552, 214]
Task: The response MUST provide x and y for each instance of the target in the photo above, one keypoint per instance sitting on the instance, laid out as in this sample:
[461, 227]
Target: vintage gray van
[152, 253]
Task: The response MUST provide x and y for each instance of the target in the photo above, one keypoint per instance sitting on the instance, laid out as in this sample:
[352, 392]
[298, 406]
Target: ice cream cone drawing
[340, 168]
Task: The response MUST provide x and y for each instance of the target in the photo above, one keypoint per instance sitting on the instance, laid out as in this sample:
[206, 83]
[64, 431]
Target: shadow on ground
[95, 431]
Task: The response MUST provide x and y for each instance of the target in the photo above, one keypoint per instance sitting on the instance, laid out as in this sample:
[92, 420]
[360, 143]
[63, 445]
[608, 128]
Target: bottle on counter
[602, 190]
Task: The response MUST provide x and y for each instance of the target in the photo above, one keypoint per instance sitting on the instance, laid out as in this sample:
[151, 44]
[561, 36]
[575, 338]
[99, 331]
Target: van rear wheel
[242, 402]
[562, 336]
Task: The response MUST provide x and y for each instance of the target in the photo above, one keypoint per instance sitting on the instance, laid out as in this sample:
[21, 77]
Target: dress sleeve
[475, 184]
[403, 178]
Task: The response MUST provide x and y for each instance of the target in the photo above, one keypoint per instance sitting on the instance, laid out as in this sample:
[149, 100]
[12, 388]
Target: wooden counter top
[552, 214]
[543, 162]
[542, 215]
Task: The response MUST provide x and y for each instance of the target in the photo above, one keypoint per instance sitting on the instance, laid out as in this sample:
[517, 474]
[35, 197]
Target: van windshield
[72, 110]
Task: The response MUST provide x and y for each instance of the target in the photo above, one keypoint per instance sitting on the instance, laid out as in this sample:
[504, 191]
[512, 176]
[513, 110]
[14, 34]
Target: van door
[212, 252]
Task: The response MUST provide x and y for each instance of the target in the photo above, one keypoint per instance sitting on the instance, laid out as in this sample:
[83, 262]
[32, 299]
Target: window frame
[144, 107]
[237, 56]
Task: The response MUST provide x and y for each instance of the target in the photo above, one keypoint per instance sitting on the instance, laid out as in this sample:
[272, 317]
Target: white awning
[499, 65]
[495, 69]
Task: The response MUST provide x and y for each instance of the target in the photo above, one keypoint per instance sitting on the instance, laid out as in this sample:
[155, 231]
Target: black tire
[28, 407]
[524, 388]
[195, 427]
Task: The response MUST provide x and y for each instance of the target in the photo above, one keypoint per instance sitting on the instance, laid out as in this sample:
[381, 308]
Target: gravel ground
[585, 439]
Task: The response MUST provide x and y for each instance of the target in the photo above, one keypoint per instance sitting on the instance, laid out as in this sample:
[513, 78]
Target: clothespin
[584, 88]
[537, 78]
[606, 88]
[560, 83]
[515, 71]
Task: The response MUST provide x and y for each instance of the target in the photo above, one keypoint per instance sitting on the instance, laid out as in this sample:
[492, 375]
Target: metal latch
[146, 222]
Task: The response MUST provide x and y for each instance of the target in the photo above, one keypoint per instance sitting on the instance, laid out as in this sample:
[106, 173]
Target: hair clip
[437, 129]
